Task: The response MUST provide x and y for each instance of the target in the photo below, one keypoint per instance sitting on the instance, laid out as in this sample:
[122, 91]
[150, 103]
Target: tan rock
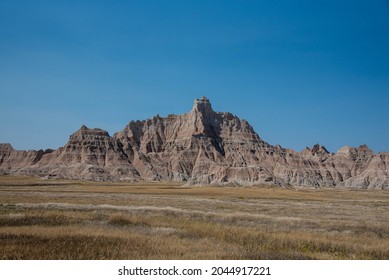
[199, 147]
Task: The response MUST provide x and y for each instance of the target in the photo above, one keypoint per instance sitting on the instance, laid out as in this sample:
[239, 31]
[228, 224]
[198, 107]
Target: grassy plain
[49, 219]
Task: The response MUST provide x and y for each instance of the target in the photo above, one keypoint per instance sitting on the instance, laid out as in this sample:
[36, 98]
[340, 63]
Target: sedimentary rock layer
[199, 147]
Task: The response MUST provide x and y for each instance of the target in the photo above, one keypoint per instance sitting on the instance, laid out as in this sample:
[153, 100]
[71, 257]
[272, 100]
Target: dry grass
[41, 219]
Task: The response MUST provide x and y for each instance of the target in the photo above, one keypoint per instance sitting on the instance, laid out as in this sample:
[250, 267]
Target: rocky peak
[316, 150]
[344, 151]
[5, 150]
[88, 133]
[6, 147]
[320, 150]
[361, 151]
[365, 150]
[203, 106]
[203, 120]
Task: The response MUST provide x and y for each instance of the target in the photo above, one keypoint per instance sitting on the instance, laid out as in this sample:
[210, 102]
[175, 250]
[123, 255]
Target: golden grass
[44, 219]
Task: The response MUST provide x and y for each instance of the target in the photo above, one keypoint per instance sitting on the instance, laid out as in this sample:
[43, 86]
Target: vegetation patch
[73, 220]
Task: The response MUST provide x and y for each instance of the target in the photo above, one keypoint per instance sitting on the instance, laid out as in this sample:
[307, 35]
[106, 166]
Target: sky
[300, 72]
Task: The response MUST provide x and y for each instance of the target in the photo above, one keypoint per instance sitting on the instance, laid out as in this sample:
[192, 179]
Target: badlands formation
[200, 147]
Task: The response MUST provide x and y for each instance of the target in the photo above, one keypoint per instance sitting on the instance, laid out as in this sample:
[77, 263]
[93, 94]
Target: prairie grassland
[44, 219]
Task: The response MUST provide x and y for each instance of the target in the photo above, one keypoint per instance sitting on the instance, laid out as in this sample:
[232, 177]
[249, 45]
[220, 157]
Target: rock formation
[199, 147]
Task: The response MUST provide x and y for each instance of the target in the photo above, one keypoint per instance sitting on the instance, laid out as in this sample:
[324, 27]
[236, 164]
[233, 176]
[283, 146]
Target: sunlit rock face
[199, 147]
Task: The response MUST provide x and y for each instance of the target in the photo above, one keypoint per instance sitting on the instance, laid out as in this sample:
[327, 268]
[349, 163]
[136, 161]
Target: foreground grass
[81, 220]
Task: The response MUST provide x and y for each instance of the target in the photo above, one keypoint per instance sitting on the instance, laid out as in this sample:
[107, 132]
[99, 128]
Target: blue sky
[301, 72]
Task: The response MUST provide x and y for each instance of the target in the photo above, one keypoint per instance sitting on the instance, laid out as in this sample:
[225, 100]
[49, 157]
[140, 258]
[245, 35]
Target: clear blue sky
[301, 72]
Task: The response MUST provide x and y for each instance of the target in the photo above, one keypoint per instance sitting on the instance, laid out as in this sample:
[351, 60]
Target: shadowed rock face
[199, 147]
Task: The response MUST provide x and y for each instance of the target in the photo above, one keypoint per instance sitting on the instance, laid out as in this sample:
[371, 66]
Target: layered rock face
[200, 147]
[90, 154]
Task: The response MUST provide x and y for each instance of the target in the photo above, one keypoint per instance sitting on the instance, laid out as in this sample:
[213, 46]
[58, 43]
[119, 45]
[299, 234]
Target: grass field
[45, 219]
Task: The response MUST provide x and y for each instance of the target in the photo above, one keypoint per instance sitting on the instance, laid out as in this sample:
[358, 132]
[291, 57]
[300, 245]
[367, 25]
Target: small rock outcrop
[199, 147]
